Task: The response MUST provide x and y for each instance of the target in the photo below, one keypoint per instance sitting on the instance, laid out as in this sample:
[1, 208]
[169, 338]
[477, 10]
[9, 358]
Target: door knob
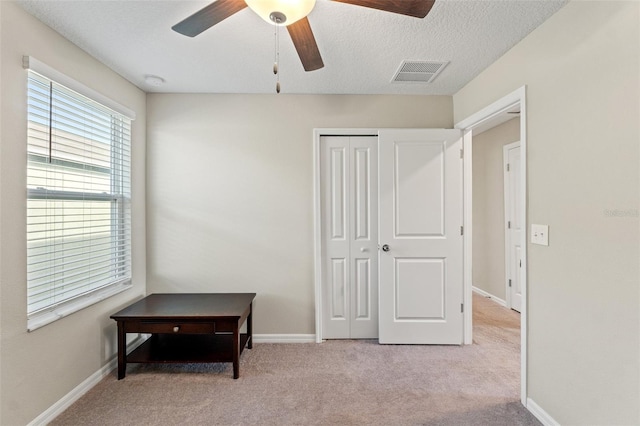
[385, 247]
[362, 249]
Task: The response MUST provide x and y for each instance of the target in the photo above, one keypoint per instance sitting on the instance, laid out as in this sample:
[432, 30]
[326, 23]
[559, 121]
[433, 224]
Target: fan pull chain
[276, 62]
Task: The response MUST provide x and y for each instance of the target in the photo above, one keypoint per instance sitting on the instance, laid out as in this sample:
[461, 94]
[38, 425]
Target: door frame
[317, 213]
[507, 204]
[517, 97]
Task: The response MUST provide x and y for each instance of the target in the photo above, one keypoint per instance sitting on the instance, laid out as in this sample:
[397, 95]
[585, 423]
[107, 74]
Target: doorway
[484, 119]
[496, 222]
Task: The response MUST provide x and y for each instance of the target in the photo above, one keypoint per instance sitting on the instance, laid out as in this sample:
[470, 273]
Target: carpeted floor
[344, 382]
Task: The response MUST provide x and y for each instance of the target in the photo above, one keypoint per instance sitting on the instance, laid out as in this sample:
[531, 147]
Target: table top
[188, 306]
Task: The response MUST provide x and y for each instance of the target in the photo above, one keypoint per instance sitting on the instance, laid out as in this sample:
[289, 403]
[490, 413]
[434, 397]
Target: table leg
[250, 327]
[122, 351]
[236, 351]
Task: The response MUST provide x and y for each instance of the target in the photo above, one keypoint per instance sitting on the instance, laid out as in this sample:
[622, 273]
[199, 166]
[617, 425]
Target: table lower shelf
[186, 348]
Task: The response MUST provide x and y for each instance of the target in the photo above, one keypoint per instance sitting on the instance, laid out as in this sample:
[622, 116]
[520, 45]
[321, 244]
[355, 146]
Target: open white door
[513, 226]
[420, 220]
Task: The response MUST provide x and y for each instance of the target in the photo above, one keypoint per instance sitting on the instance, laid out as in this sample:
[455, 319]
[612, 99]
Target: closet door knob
[385, 247]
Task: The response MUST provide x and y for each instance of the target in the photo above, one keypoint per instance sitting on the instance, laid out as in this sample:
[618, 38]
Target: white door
[349, 228]
[420, 173]
[513, 227]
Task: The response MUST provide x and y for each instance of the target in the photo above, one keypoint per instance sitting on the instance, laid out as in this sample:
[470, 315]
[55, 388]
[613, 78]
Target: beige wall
[230, 191]
[488, 207]
[39, 368]
[230, 206]
[582, 72]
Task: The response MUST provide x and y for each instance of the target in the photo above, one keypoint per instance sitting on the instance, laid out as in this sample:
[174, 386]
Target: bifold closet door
[349, 186]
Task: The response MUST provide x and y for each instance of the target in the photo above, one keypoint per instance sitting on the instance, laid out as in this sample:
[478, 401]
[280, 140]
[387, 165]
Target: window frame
[119, 200]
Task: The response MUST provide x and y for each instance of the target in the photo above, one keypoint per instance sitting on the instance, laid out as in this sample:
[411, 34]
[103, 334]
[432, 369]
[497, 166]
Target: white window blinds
[78, 201]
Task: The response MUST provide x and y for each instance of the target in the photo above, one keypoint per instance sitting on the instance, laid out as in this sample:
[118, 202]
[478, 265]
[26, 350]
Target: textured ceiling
[362, 48]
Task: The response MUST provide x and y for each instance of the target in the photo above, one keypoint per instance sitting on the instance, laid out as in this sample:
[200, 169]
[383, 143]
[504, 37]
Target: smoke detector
[154, 80]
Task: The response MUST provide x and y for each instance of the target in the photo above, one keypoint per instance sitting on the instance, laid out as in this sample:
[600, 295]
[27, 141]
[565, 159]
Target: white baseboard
[76, 393]
[284, 338]
[540, 414]
[490, 296]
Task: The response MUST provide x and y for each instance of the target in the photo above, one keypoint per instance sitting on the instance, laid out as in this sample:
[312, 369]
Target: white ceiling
[362, 48]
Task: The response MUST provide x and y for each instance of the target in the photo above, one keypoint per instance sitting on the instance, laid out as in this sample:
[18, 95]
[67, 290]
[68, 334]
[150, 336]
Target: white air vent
[418, 71]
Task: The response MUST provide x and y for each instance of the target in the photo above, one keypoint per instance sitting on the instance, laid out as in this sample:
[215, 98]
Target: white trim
[517, 97]
[76, 393]
[524, 315]
[317, 235]
[483, 293]
[31, 63]
[40, 319]
[467, 238]
[488, 112]
[506, 195]
[284, 338]
[317, 214]
[540, 414]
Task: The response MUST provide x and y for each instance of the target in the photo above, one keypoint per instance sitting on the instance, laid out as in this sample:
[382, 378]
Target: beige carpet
[333, 383]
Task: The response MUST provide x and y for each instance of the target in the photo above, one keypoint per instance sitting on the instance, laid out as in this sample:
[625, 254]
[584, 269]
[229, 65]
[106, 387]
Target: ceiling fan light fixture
[273, 11]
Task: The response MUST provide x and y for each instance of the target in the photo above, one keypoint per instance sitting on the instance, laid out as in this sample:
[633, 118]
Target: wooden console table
[186, 328]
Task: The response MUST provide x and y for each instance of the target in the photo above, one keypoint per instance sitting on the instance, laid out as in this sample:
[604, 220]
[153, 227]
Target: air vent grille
[418, 71]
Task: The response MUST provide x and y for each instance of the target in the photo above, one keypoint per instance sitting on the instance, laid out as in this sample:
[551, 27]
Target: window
[78, 201]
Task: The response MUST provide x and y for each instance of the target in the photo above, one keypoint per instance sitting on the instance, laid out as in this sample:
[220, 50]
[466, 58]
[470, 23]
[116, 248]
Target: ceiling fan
[293, 15]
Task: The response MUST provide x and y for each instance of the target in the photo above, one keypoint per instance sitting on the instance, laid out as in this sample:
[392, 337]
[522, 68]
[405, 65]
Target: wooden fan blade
[208, 17]
[416, 8]
[305, 44]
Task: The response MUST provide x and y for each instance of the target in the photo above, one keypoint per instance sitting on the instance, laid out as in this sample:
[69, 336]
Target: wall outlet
[540, 234]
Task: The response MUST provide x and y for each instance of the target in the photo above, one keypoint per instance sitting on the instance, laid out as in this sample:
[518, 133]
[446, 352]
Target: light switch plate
[540, 234]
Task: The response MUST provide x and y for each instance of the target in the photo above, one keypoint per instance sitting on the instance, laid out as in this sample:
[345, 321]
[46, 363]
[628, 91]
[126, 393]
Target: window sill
[40, 319]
